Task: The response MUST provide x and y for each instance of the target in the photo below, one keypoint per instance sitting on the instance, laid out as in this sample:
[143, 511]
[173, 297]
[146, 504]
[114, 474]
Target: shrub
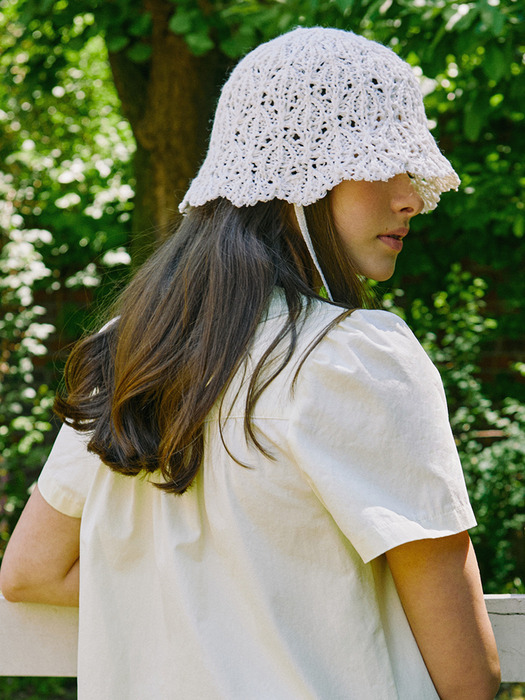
[25, 409]
[490, 438]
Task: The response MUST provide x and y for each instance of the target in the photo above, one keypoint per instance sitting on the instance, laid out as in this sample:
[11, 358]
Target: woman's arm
[41, 562]
[440, 588]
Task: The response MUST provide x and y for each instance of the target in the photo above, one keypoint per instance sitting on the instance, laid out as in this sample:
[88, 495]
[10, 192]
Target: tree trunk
[169, 103]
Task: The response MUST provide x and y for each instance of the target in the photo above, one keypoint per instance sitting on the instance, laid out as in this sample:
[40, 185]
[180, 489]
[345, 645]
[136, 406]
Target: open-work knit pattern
[311, 108]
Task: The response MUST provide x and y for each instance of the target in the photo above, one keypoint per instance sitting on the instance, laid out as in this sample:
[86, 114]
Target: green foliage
[38, 688]
[497, 486]
[490, 439]
[24, 407]
[65, 152]
[63, 26]
[509, 691]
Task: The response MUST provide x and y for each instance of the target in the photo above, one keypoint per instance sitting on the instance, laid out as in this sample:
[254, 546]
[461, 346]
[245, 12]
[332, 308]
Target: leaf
[141, 26]
[117, 43]
[181, 22]
[199, 43]
[474, 118]
[344, 5]
[493, 19]
[518, 226]
[466, 20]
[233, 47]
[77, 42]
[495, 64]
[286, 21]
[139, 52]
[44, 6]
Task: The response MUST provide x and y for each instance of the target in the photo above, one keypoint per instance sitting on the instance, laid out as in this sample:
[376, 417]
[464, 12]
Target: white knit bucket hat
[309, 109]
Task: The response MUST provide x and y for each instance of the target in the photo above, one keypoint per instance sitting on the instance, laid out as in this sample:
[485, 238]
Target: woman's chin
[381, 275]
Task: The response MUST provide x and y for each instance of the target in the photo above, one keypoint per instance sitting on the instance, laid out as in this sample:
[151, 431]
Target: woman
[317, 547]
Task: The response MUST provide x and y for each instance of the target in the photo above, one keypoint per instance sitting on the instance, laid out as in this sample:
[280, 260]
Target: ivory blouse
[269, 581]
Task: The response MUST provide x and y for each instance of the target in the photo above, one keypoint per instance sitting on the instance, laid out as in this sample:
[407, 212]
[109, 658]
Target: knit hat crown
[311, 108]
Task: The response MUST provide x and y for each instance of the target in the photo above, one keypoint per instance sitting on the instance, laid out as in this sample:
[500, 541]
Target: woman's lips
[393, 239]
[393, 243]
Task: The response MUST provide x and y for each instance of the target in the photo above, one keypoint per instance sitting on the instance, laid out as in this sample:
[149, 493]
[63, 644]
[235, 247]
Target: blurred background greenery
[105, 107]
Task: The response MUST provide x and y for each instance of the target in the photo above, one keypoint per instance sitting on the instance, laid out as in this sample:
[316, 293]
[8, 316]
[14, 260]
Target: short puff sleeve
[370, 430]
[69, 472]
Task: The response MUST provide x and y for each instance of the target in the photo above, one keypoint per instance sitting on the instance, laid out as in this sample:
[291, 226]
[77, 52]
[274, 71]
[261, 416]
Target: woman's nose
[405, 197]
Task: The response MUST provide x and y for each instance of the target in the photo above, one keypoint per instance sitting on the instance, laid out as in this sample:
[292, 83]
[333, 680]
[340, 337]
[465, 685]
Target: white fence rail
[507, 615]
[41, 640]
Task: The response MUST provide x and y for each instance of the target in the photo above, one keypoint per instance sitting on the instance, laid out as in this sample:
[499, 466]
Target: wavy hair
[145, 384]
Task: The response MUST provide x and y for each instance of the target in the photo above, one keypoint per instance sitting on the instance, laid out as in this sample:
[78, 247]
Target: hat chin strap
[301, 220]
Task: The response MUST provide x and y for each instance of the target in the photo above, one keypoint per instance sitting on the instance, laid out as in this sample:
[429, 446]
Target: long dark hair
[145, 384]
